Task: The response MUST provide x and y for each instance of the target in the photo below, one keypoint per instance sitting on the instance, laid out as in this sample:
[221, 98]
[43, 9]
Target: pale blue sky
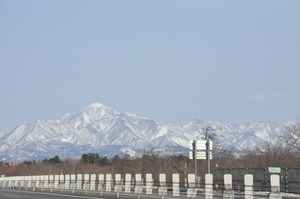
[229, 61]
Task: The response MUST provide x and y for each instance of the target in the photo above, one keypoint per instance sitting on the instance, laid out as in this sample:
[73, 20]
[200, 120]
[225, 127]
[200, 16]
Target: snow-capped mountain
[101, 129]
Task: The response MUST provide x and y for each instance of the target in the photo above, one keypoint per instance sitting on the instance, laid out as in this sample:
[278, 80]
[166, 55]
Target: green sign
[274, 170]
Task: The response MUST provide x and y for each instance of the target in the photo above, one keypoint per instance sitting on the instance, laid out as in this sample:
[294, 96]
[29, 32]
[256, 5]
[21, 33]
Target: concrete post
[208, 186]
[27, 183]
[275, 187]
[10, 182]
[67, 181]
[86, 181]
[56, 181]
[38, 180]
[22, 181]
[138, 189]
[46, 182]
[42, 183]
[17, 180]
[33, 183]
[118, 184]
[228, 193]
[101, 183]
[175, 181]
[127, 183]
[93, 182]
[73, 184]
[61, 182]
[108, 182]
[79, 181]
[149, 183]
[51, 181]
[191, 191]
[162, 189]
[2, 181]
[248, 181]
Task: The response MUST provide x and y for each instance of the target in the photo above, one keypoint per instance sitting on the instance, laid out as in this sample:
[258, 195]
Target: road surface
[15, 194]
[11, 194]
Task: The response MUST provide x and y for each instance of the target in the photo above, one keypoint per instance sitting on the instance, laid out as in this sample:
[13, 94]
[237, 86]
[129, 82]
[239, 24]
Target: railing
[137, 186]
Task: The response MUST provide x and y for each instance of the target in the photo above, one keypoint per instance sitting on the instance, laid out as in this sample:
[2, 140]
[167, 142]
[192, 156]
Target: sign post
[201, 149]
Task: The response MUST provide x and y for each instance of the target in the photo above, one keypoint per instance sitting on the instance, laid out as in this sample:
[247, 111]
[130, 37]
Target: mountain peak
[96, 105]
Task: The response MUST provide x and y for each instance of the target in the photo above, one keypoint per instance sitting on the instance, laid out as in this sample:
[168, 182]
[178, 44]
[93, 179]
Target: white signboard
[200, 145]
[200, 155]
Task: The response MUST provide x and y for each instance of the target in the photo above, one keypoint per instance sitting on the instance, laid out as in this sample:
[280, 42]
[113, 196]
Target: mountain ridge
[101, 129]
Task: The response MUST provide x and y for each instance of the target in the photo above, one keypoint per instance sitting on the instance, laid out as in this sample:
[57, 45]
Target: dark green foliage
[27, 163]
[94, 158]
[54, 160]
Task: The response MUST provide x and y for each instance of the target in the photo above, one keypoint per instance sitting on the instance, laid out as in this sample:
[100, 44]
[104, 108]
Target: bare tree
[209, 132]
[292, 137]
[275, 154]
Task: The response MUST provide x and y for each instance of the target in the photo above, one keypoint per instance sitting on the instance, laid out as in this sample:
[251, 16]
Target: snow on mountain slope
[2, 133]
[101, 129]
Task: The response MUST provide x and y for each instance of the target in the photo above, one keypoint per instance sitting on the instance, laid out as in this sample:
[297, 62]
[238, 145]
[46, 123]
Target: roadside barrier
[137, 186]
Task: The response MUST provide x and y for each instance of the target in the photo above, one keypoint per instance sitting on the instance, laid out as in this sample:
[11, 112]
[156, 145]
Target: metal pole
[195, 157]
[207, 155]
[185, 174]
[207, 148]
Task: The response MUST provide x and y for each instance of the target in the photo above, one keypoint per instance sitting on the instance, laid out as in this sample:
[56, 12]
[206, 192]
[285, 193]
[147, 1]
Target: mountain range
[101, 129]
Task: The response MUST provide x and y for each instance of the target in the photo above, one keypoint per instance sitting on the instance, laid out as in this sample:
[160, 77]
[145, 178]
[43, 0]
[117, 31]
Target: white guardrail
[134, 184]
